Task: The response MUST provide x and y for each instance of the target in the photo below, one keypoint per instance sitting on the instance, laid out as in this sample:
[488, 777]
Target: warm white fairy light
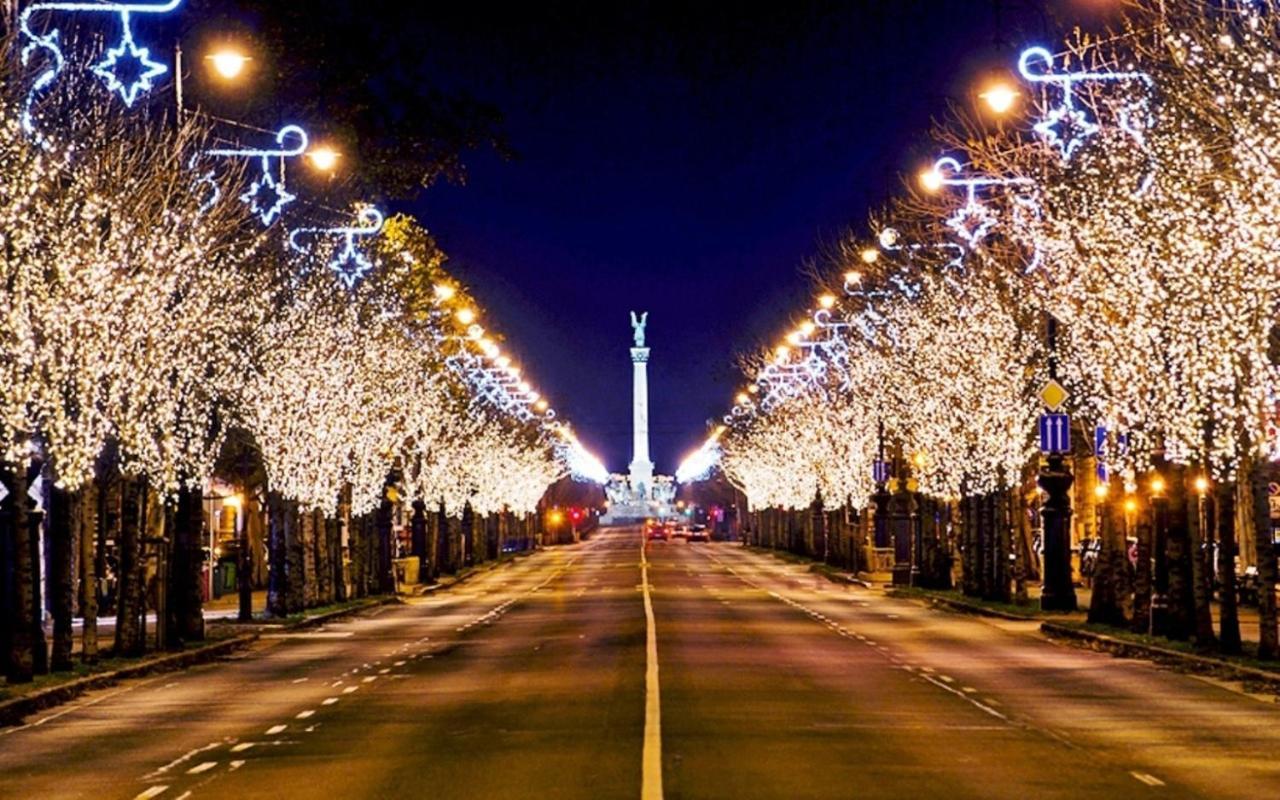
[1150, 237]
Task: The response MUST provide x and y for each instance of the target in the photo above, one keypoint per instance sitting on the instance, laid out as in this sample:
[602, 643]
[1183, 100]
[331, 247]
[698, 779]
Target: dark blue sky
[687, 163]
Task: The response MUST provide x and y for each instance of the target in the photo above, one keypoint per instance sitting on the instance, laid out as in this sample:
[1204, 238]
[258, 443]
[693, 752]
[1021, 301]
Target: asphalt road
[754, 678]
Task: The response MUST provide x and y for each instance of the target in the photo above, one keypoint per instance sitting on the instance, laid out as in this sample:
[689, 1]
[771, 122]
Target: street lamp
[229, 63]
[323, 158]
[827, 301]
[465, 315]
[999, 97]
[931, 179]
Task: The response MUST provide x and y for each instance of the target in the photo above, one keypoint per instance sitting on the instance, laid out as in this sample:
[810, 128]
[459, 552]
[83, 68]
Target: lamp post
[1057, 592]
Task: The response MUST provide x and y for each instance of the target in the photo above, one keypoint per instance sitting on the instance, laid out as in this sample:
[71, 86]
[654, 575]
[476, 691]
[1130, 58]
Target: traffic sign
[1053, 395]
[879, 470]
[1055, 433]
[1100, 452]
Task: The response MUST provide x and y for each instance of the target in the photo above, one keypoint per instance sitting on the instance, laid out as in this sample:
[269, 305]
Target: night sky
[687, 163]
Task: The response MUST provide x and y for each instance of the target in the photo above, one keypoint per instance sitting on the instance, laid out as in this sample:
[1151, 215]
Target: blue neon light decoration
[972, 221]
[126, 51]
[267, 196]
[1066, 126]
[349, 263]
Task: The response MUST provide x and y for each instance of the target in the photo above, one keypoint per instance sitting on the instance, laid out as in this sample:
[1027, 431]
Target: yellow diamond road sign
[1053, 395]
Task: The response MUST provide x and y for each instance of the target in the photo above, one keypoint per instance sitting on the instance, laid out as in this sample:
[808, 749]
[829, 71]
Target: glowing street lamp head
[999, 97]
[807, 327]
[1100, 490]
[852, 277]
[1130, 505]
[229, 64]
[324, 159]
[540, 405]
[931, 179]
[1202, 484]
[1157, 485]
[827, 301]
[870, 255]
[795, 338]
[782, 352]
[444, 292]
[743, 398]
[465, 315]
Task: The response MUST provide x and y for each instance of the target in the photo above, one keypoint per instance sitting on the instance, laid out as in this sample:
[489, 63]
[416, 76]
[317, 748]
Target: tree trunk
[277, 556]
[61, 581]
[418, 526]
[21, 666]
[1141, 621]
[443, 557]
[129, 594]
[1225, 521]
[186, 597]
[1178, 552]
[307, 546]
[384, 580]
[295, 556]
[1107, 604]
[333, 534]
[468, 535]
[90, 517]
[250, 514]
[1201, 569]
[1268, 638]
[972, 563]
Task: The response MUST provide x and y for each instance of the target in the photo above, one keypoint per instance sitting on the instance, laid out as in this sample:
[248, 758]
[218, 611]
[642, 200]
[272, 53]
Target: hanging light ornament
[115, 61]
[267, 195]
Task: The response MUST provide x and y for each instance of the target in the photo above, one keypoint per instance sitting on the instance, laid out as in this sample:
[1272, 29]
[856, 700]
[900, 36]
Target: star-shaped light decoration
[350, 264]
[1066, 128]
[266, 197]
[128, 54]
[972, 222]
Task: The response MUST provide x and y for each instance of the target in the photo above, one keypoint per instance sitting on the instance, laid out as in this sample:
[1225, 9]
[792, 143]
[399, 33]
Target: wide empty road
[609, 670]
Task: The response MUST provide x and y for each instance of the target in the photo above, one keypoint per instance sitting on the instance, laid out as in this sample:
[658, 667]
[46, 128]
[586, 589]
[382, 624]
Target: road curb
[1127, 649]
[951, 604]
[13, 711]
[329, 616]
[484, 569]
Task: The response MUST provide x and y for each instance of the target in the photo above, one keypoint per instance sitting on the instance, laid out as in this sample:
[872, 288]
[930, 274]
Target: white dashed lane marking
[1147, 778]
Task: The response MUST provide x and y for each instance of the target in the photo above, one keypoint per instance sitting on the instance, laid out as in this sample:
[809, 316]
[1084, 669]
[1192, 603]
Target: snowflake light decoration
[126, 52]
[267, 196]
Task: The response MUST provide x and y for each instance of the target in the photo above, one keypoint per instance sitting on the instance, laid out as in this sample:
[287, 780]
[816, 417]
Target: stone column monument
[641, 469]
[639, 494]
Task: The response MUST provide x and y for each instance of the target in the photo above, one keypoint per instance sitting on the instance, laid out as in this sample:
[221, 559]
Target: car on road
[681, 532]
[656, 531]
[699, 533]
